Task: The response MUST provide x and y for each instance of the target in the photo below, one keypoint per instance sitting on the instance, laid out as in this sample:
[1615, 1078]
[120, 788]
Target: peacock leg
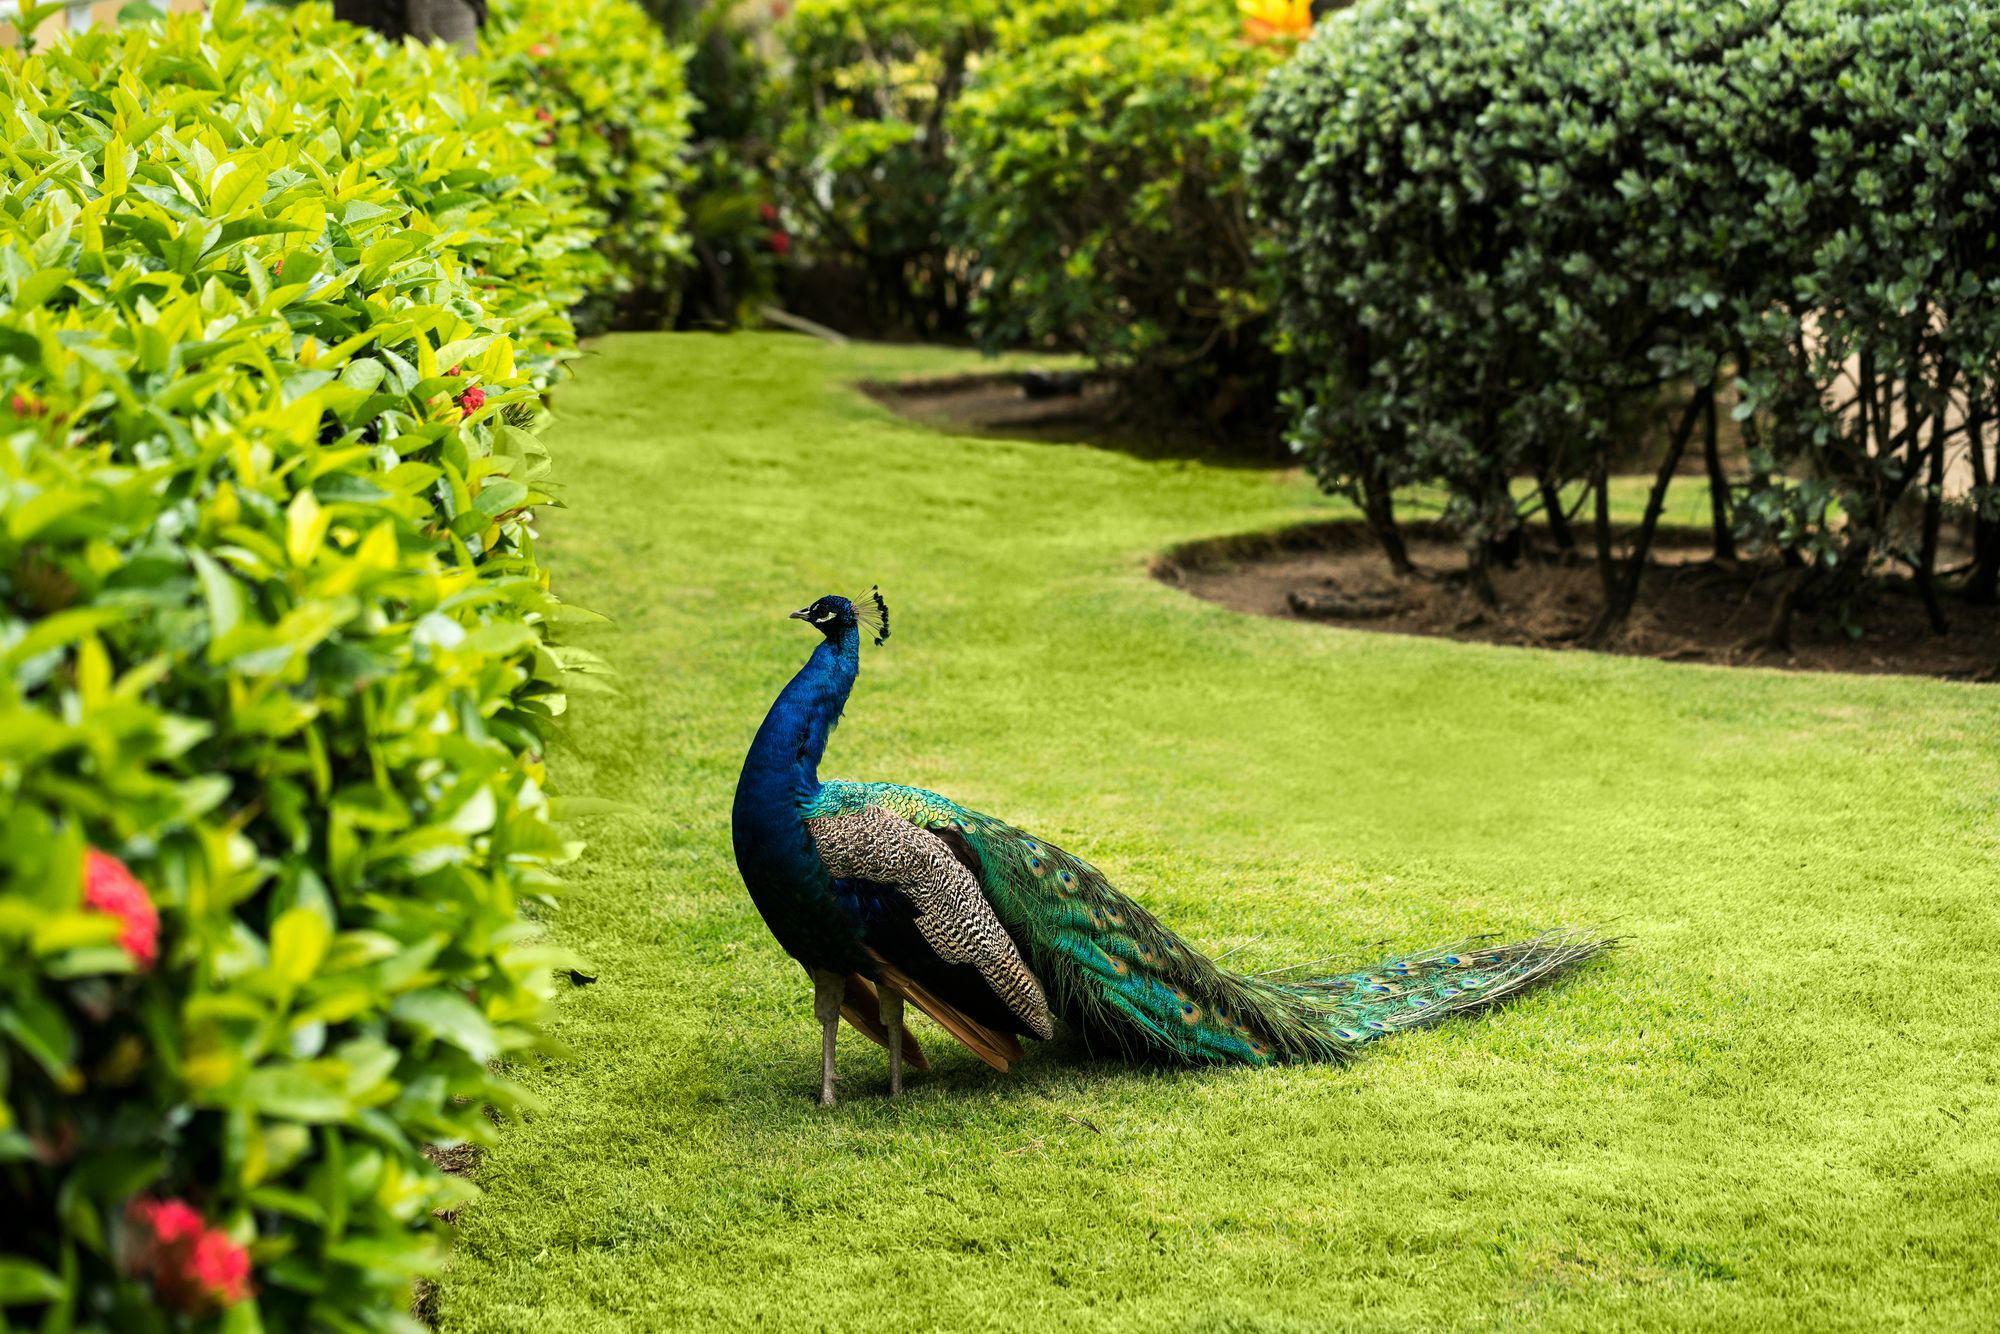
[828, 988]
[892, 1020]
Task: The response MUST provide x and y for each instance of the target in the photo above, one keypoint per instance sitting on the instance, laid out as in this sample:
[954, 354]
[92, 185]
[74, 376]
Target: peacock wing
[1109, 966]
[949, 911]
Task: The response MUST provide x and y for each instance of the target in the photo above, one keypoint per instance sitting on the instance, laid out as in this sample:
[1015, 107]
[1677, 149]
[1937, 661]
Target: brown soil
[996, 405]
[1690, 608]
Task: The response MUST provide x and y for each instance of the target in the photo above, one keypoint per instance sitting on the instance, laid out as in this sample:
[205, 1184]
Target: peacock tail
[1115, 973]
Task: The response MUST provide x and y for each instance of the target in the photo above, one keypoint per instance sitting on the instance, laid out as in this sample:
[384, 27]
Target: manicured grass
[1775, 1107]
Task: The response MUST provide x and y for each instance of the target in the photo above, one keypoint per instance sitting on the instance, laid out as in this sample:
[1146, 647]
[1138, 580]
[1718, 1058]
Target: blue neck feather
[784, 759]
[774, 851]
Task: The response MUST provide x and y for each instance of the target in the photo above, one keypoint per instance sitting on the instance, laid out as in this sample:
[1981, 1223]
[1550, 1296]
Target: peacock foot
[828, 988]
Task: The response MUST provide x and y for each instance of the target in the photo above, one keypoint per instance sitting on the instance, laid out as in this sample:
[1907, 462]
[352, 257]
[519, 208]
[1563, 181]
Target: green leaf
[39, 288]
[22, 1282]
[292, 1094]
[40, 1030]
[298, 942]
[448, 1017]
[499, 496]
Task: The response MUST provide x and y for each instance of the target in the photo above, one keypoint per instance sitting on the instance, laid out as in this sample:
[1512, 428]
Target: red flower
[471, 401]
[781, 243]
[221, 1268]
[768, 212]
[193, 1267]
[542, 115]
[452, 371]
[172, 1221]
[109, 887]
[541, 49]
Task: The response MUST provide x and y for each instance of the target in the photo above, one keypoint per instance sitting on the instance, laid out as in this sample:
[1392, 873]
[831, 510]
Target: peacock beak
[802, 614]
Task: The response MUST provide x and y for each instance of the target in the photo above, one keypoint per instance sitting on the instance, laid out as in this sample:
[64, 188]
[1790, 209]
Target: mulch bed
[1690, 609]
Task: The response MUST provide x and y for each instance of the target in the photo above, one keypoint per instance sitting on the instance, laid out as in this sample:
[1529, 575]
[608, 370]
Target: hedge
[1099, 184]
[1506, 225]
[612, 93]
[279, 305]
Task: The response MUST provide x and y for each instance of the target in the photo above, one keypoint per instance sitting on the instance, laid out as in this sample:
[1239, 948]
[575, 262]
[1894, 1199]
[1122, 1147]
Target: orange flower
[1276, 20]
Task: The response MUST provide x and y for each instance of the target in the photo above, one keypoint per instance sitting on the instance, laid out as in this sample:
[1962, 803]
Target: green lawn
[1775, 1107]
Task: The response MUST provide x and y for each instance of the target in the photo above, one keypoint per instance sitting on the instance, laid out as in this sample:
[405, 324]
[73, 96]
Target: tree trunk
[1625, 592]
[1718, 486]
[1379, 508]
[1778, 635]
[1559, 530]
[1983, 585]
[1601, 529]
[1933, 515]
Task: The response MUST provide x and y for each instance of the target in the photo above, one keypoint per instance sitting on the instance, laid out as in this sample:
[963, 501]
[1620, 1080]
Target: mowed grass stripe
[1774, 1107]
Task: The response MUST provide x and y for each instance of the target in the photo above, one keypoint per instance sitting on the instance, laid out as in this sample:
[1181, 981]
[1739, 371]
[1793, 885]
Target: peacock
[890, 894]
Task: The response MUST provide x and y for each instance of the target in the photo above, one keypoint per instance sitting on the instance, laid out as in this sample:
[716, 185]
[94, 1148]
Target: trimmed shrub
[612, 94]
[1504, 224]
[279, 303]
[1099, 184]
[865, 149]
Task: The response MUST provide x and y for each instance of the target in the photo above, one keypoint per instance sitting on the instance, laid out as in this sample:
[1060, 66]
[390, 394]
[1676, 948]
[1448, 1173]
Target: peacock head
[833, 615]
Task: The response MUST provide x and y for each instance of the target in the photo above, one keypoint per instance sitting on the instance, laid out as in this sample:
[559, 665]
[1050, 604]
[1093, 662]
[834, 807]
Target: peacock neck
[786, 755]
[774, 850]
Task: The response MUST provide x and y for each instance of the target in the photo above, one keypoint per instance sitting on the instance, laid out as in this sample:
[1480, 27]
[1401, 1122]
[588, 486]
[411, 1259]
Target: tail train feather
[995, 1048]
[1116, 973]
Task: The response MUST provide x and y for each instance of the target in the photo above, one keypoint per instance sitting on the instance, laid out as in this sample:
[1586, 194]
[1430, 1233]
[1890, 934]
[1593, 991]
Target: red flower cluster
[25, 406]
[768, 211]
[542, 115]
[194, 1267]
[109, 887]
[471, 401]
[541, 49]
[781, 244]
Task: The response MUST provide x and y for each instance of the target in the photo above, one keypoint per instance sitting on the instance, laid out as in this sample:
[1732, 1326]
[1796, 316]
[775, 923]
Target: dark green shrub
[1502, 224]
[1099, 184]
[863, 159]
[610, 89]
[739, 241]
[277, 302]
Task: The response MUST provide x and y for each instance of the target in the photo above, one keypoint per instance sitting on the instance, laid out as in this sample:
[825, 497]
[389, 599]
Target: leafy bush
[862, 152]
[1501, 224]
[612, 93]
[739, 242]
[1099, 184]
[279, 301]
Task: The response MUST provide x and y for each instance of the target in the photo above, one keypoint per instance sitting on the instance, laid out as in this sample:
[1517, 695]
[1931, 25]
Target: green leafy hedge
[277, 304]
[1505, 224]
[1099, 184]
[612, 93]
